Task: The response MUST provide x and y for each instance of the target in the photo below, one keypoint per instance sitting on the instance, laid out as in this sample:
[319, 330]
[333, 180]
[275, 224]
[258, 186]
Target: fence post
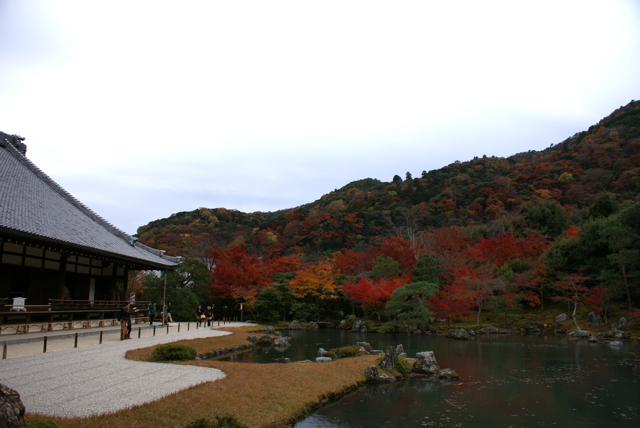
[100, 338]
[4, 350]
[44, 345]
[154, 331]
[189, 325]
[178, 327]
[139, 332]
[167, 328]
[75, 345]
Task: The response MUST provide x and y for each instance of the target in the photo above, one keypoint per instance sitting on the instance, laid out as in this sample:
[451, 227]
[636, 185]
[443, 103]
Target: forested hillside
[496, 231]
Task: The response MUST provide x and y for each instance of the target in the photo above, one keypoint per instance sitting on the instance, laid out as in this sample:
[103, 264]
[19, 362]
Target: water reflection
[519, 381]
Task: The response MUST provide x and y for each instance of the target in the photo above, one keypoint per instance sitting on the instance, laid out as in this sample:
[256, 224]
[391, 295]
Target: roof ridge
[66, 195]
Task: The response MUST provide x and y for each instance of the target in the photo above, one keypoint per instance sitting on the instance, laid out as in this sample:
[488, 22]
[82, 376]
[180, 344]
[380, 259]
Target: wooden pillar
[62, 275]
[125, 284]
[113, 282]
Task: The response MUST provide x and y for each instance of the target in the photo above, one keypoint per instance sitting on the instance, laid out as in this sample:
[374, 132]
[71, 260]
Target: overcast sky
[142, 109]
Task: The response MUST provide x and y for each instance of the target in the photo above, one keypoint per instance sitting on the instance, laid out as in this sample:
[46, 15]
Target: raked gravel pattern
[98, 379]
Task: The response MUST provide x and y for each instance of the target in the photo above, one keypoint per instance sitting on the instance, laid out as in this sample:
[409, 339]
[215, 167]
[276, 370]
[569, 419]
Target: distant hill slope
[484, 193]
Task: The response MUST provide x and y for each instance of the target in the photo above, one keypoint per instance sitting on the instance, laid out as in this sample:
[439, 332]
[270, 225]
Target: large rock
[620, 335]
[562, 317]
[390, 359]
[270, 330]
[426, 364]
[265, 340]
[595, 319]
[365, 346]
[313, 325]
[321, 352]
[580, 334]
[356, 325]
[448, 375]
[281, 342]
[343, 324]
[458, 333]
[399, 349]
[489, 330]
[364, 329]
[532, 327]
[11, 408]
[281, 360]
[294, 325]
[371, 373]
[324, 359]
[620, 324]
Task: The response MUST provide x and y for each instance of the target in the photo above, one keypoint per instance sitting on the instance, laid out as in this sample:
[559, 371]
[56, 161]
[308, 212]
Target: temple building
[54, 247]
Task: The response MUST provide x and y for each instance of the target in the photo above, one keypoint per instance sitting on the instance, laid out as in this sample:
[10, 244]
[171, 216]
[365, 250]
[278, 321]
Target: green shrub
[41, 423]
[331, 355]
[346, 351]
[173, 352]
[224, 421]
[403, 366]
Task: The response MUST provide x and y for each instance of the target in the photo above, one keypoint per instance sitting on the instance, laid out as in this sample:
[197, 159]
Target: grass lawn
[257, 394]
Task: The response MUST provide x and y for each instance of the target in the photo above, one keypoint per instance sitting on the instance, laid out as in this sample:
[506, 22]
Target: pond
[507, 381]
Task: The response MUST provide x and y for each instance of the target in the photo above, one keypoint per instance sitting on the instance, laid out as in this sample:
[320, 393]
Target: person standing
[152, 313]
[168, 312]
[125, 321]
[209, 316]
[200, 315]
[225, 313]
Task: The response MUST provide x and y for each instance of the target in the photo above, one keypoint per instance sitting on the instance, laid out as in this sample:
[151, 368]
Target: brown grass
[258, 394]
[202, 346]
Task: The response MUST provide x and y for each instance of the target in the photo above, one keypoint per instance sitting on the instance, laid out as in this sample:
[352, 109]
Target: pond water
[507, 381]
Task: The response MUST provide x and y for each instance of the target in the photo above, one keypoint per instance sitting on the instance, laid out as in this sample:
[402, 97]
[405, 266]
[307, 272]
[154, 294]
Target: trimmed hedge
[224, 421]
[173, 352]
[41, 423]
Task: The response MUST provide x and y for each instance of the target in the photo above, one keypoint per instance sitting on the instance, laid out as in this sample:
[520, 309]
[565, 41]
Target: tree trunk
[626, 284]
[573, 315]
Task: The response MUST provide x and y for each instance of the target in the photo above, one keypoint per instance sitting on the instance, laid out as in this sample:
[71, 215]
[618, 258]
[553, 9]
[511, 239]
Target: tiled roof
[32, 203]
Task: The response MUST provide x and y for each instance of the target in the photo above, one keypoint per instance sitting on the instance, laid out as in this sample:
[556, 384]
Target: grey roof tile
[31, 202]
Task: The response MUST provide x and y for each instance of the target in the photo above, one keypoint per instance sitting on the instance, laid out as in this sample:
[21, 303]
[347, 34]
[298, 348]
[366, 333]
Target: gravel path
[98, 379]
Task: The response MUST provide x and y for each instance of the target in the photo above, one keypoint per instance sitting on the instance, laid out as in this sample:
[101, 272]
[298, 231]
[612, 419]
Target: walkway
[95, 379]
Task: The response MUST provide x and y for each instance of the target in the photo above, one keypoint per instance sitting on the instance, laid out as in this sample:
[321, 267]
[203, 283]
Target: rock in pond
[11, 408]
[458, 334]
[356, 325]
[448, 375]
[371, 373]
[426, 364]
[489, 330]
[270, 330]
[323, 359]
[562, 317]
[313, 325]
[580, 334]
[620, 324]
[595, 319]
[265, 340]
[390, 359]
[295, 325]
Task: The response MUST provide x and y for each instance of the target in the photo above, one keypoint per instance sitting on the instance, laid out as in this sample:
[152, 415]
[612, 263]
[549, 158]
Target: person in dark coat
[225, 313]
[200, 316]
[152, 313]
[125, 321]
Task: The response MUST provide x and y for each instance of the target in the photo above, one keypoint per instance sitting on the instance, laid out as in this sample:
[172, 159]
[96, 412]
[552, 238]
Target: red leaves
[372, 294]
[500, 249]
